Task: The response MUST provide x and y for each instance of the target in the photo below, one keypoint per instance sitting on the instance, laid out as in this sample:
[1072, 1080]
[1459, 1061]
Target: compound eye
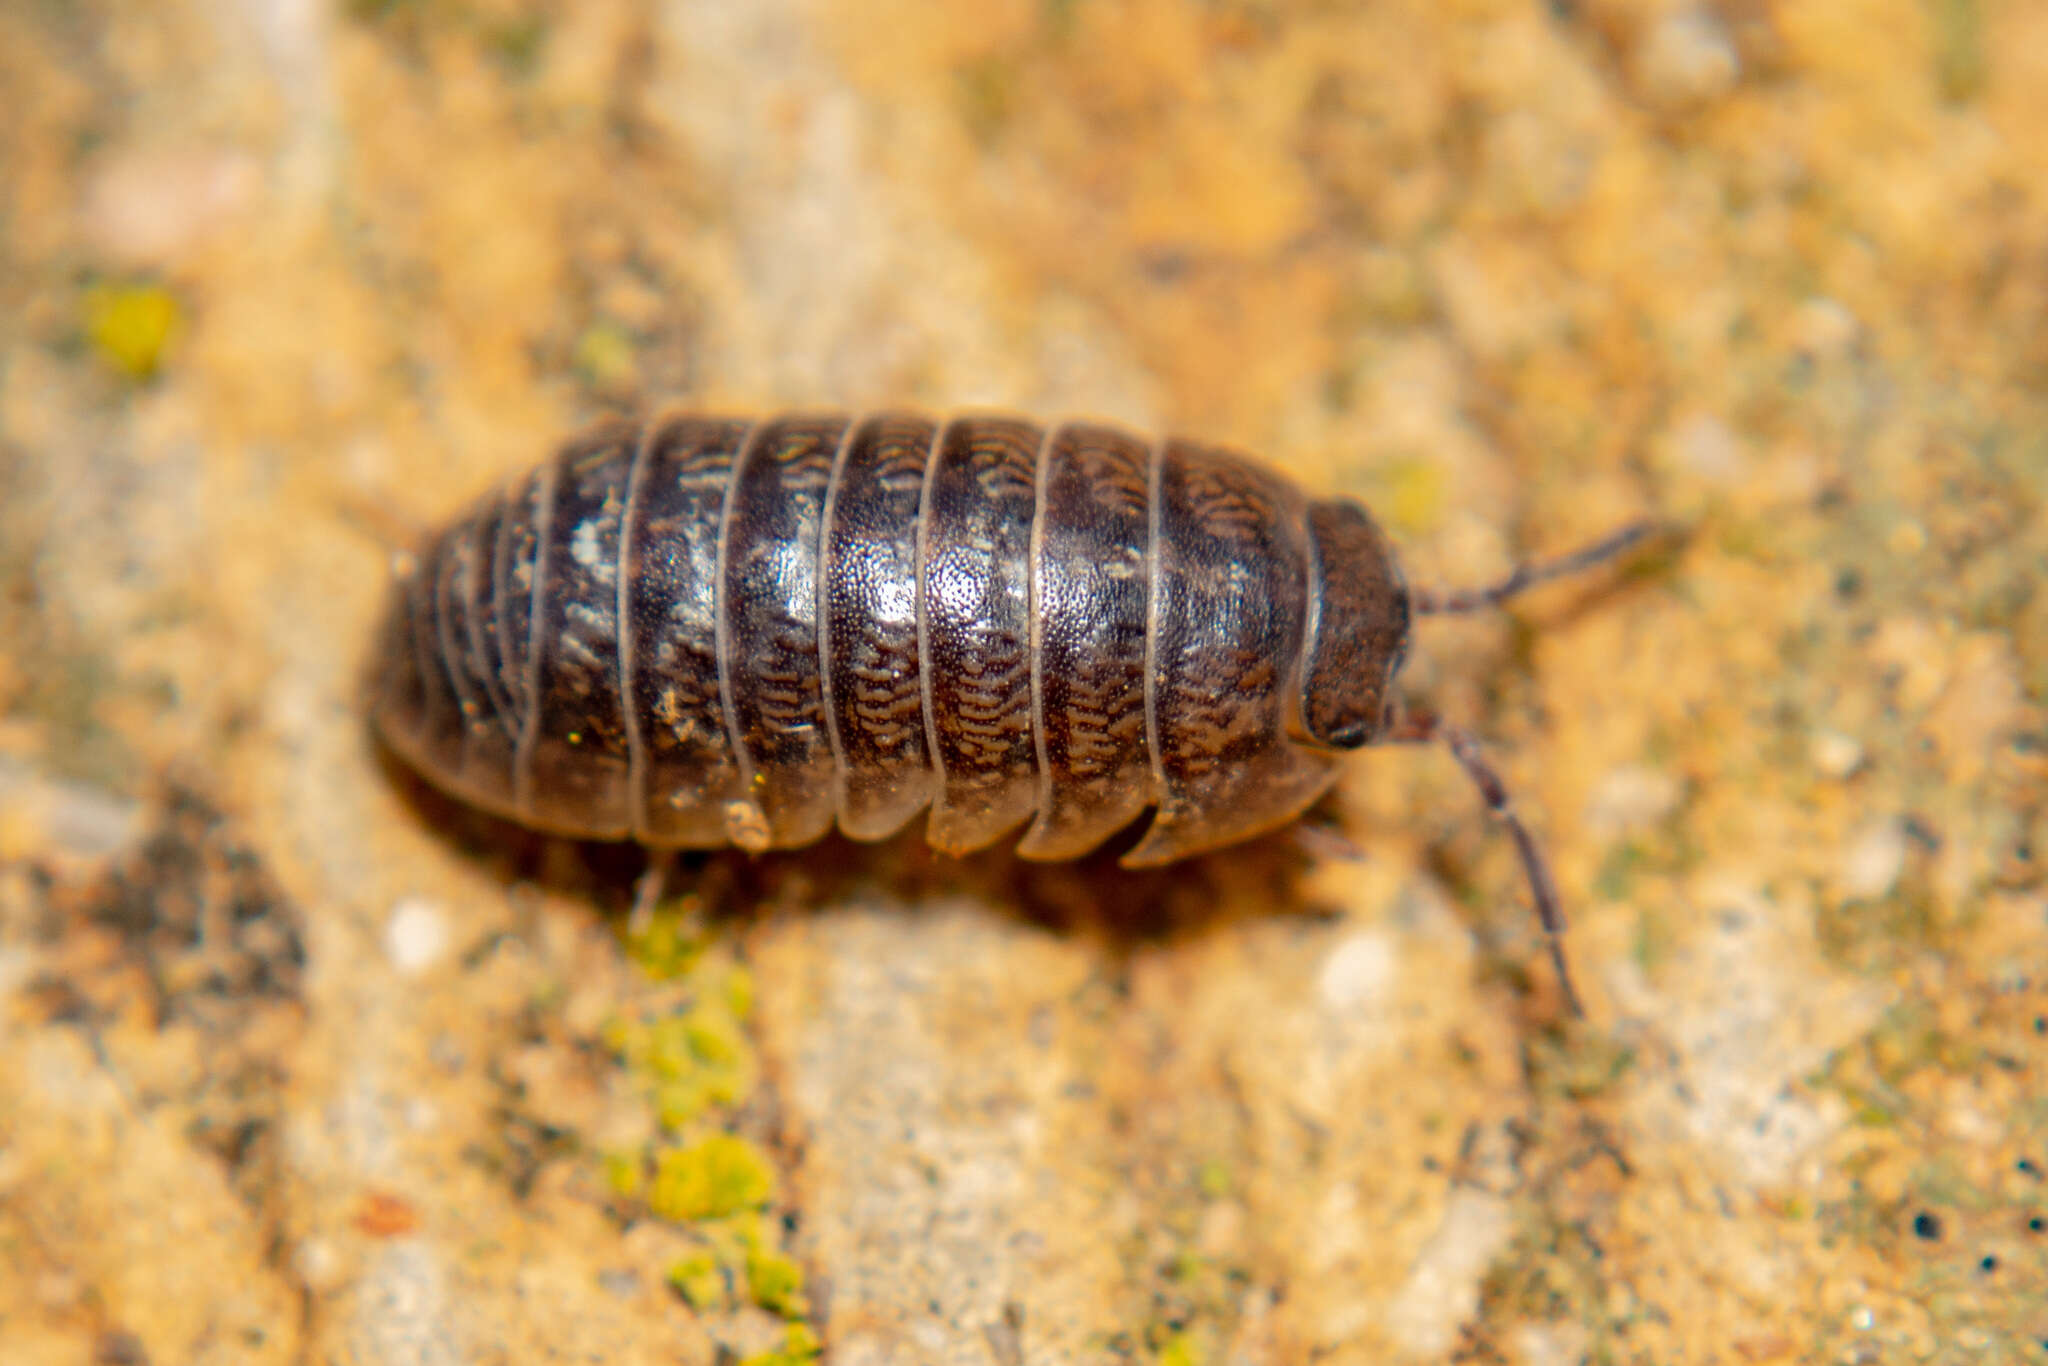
[1350, 735]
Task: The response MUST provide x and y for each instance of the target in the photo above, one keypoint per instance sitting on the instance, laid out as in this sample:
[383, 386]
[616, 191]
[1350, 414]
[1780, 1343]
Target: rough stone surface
[298, 1064]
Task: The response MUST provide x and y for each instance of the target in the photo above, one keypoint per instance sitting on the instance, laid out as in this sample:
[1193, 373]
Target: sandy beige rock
[298, 1064]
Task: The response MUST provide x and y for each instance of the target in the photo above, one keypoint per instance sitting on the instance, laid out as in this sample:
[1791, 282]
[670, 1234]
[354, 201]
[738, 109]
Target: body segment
[706, 631]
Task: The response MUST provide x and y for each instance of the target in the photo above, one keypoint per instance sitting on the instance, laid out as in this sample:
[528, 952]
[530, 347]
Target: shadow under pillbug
[709, 631]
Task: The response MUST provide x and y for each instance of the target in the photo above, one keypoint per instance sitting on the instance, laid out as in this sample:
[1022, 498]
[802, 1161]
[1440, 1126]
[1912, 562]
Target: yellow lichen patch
[604, 356]
[690, 1057]
[800, 1347]
[670, 940]
[690, 1063]
[624, 1175]
[699, 1279]
[710, 1179]
[1416, 495]
[776, 1283]
[132, 326]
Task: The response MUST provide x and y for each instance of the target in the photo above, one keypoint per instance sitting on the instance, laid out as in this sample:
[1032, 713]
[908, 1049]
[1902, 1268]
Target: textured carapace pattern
[705, 631]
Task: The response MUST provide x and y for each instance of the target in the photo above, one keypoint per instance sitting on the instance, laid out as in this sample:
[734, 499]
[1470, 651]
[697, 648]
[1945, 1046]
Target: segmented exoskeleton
[704, 631]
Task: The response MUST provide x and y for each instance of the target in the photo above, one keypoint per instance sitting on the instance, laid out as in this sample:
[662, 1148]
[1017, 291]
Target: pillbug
[706, 631]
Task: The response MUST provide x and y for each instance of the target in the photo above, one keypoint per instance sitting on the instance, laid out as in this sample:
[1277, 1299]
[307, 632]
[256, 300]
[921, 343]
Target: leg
[1421, 728]
[1440, 602]
[1320, 838]
[649, 888]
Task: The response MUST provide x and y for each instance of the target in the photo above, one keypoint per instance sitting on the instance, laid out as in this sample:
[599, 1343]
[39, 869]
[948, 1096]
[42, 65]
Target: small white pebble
[1687, 58]
[87, 821]
[1964, 1119]
[1442, 1289]
[1875, 858]
[1836, 755]
[1359, 970]
[1706, 446]
[58, 1290]
[1631, 798]
[75, 818]
[1221, 1229]
[317, 1264]
[1825, 327]
[149, 204]
[1551, 1344]
[415, 936]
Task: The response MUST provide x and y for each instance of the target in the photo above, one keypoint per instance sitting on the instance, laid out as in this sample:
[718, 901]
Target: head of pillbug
[1358, 628]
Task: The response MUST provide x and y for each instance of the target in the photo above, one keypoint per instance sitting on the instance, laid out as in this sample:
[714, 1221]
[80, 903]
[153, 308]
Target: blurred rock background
[298, 1064]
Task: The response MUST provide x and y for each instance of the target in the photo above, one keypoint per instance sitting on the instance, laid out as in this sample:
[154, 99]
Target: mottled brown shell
[708, 631]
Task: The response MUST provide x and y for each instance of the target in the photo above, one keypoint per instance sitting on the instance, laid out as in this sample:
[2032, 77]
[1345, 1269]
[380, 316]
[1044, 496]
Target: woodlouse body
[708, 631]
